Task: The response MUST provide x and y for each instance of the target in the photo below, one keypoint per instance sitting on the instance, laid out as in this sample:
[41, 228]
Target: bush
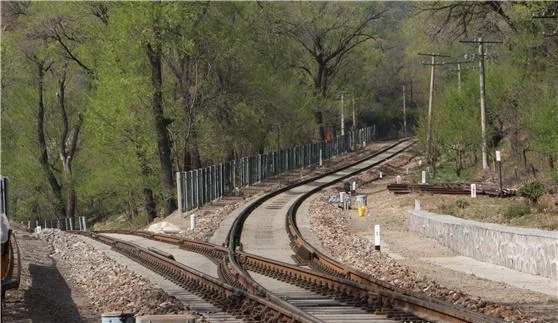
[532, 190]
[461, 203]
[517, 210]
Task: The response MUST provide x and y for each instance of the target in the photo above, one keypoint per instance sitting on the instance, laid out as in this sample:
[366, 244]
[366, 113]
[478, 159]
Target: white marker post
[473, 190]
[423, 177]
[343, 200]
[193, 221]
[354, 186]
[381, 175]
[499, 160]
[321, 161]
[398, 179]
[377, 237]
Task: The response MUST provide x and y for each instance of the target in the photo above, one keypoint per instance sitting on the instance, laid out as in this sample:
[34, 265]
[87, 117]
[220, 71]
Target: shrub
[461, 203]
[517, 210]
[532, 190]
[448, 209]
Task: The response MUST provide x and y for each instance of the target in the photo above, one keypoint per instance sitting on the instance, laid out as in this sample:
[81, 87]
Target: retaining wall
[527, 250]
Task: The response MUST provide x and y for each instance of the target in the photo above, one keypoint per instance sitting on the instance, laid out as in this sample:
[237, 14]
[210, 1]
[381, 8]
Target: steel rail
[231, 299]
[432, 309]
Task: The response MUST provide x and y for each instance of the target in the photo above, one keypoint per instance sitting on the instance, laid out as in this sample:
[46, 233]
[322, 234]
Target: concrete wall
[531, 251]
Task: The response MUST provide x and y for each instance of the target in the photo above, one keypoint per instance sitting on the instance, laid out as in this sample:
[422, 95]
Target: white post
[354, 186]
[473, 190]
[84, 224]
[179, 191]
[381, 175]
[377, 237]
[398, 179]
[192, 221]
[423, 177]
[417, 205]
[321, 161]
[342, 199]
[71, 224]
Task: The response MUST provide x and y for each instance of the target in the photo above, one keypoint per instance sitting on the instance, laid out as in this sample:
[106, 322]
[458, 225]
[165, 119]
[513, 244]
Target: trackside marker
[377, 237]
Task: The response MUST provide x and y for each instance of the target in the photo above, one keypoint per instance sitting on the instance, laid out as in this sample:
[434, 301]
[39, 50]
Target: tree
[47, 39]
[326, 33]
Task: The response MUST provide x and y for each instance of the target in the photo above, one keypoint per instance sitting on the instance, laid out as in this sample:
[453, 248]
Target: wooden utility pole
[404, 115]
[482, 93]
[429, 125]
[342, 117]
[354, 116]
[458, 69]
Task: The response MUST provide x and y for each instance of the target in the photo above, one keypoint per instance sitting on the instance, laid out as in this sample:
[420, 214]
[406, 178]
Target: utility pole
[458, 64]
[429, 125]
[354, 118]
[482, 93]
[404, 115]
[342, 117]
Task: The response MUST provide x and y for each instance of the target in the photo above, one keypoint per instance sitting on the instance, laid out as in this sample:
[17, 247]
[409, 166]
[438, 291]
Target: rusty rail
[451, 188]
[231, 299]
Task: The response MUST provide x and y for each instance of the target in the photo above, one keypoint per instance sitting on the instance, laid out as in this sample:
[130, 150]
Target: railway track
[261, 281]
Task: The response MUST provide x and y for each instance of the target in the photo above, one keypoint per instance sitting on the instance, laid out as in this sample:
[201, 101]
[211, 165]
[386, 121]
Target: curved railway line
[267, 272]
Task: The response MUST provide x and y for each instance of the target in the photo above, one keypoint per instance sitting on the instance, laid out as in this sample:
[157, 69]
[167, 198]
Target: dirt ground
[45, 294]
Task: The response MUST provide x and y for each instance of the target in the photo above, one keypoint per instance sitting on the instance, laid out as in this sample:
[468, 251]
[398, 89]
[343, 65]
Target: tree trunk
[149, 203]
[43, 159]
[163, 141]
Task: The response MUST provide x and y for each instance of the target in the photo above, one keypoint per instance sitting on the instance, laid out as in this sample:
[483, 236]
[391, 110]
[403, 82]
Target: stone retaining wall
[527, 250]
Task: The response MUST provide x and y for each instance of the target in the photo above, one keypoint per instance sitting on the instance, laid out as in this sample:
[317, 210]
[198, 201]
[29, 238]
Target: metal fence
[201, 186]
[75, 223]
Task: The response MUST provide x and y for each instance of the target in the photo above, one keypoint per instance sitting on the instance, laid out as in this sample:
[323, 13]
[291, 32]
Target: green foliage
[236, 81]
[461, 203]
[517, 210]
[532, 190]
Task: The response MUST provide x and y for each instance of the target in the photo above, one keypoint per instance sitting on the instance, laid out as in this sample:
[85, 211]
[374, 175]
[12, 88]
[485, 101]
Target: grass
[123, 223]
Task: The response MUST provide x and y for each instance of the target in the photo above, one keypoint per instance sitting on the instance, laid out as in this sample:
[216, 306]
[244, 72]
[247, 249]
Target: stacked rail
[451, 188]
